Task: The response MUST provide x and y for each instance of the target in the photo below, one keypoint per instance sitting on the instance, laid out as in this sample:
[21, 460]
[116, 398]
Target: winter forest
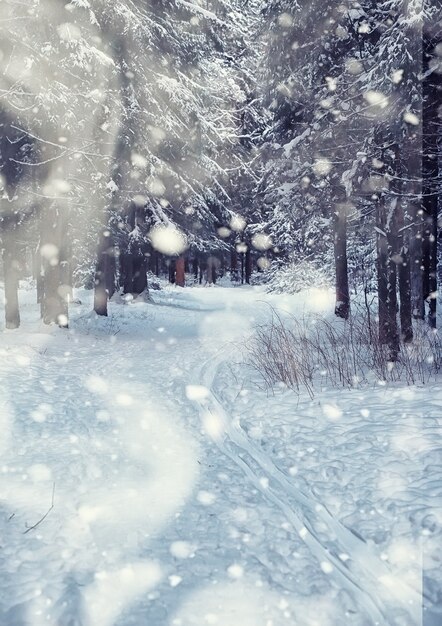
[221, 371]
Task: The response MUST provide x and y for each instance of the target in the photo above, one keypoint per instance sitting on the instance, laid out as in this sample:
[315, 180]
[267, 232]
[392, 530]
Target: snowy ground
[178, 493]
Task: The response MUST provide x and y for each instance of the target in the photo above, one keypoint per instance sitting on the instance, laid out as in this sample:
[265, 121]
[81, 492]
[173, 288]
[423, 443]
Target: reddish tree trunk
[180, 272]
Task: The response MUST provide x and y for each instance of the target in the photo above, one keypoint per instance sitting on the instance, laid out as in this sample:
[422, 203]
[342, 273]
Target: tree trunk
[233, 264]
[416, 265]
[179, 272]
[171, 266]
[401, 221]
[203, 268]
[248, 265]
[404, 278]
[54, 256]
[139, 282]
[37, 272]
[126, 272]
[385, 235]
[342, 306]
[195, 268]
[431, 95]
[110, 272]
[101, 291]
[211, 277]
[11, 272]
[222, 266]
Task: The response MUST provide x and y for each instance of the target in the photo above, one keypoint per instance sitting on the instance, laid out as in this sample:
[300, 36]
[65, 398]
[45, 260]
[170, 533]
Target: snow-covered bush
[295, 276]
[154, 282]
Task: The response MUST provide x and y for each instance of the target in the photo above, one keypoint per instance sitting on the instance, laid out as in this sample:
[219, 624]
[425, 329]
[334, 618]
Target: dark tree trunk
[139, 282]
[401, 221]
[386, 243]
[222, 267]
[248, 265]
[11, 273]
[180, 273]
[100, 293]
[233, 264]
[110, 273]
[195, 268]
[133, 272]
[412, 162]
[203, 268]
[211, 271]
[404, 278]
[171, 265]
[342, 306]
[104, 273]
[431, 98]
[126, 272]
[416, 265]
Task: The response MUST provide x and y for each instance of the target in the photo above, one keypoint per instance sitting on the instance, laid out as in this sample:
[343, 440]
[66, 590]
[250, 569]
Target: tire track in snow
[368, 579]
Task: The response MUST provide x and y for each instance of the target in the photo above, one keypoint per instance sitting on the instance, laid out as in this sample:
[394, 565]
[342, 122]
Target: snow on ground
[145, 478]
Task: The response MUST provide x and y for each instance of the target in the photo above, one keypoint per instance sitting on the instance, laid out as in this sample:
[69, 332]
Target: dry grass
[312, 352]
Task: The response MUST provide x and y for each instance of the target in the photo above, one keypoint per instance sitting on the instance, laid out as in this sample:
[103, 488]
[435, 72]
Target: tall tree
[18, 153]
[342, 305]
[431, 151]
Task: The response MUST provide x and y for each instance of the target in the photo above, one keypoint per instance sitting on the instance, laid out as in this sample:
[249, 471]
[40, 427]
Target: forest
[222, 217]
[233, 138]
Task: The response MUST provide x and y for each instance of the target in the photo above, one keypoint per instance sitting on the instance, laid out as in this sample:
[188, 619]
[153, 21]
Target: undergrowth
[313, 352]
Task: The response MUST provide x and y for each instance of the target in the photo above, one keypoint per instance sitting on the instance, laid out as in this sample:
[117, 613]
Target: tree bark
[211, 271]
[233, 264]
[342, 306]
[126, 272]
[179, 272]
[416, 264]
[171, 265]
[37, 272]
[404, 277]
[195, 268]
[54, 257]
[401, 222]
[103, 270]
[385, 235]
[248, 265]
[11, 272]
[431, 86]
[139, 281]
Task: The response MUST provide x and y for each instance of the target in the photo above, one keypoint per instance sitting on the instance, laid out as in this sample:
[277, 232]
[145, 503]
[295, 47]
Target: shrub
[310, 352]
[294, 277]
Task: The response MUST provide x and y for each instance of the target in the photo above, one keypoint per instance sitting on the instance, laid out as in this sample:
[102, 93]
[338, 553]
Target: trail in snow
[122, 467]
[153, 523]
[340, 552]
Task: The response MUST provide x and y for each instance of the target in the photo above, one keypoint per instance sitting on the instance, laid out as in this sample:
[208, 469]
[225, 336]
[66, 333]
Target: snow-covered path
[355, 566]
[182, 495]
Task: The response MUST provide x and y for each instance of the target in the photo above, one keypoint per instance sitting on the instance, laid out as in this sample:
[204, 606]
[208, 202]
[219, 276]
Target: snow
[261, 241]
[168, 239]
[184, 494]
